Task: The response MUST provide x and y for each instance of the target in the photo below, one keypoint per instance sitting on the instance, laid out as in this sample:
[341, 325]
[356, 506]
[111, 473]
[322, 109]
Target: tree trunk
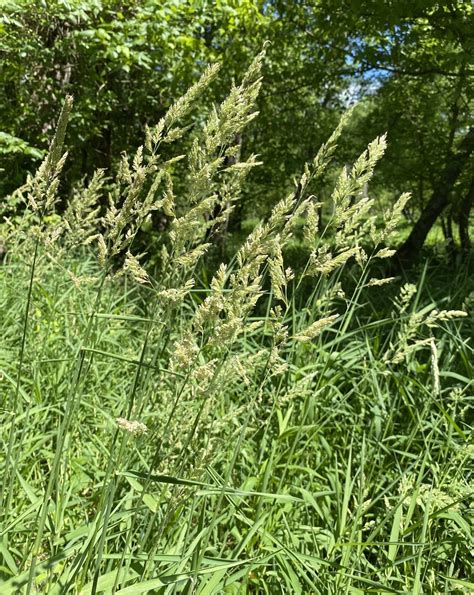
[449, 232]
[463, 221]
[410, 249]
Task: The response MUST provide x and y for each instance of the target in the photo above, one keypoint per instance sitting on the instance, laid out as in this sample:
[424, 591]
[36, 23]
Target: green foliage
[409, 63]
[124, 63]
[163, 433]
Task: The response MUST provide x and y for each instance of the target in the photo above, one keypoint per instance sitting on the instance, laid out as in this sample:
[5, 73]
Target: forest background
[406, 64]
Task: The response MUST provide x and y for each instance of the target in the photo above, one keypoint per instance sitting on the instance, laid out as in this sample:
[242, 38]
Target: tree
[124, 62]
[418, 56]
[407, 61]
[439, 198]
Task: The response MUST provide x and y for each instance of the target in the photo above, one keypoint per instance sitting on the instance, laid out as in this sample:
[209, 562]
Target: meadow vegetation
[173, 425]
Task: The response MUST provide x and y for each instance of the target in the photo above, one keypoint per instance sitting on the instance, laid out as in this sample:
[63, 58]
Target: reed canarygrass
[261, 432]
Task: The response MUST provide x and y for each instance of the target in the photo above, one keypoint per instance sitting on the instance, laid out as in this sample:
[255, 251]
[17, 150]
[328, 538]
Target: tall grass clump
[271, 430]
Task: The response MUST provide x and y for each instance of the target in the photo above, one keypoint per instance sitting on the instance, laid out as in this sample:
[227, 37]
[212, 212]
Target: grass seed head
[132, 427]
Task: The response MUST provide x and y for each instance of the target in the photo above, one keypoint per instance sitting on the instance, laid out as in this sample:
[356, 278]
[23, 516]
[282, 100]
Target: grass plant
[266, 431]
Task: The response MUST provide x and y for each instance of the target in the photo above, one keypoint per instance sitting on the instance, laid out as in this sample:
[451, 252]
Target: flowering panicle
[82, 212]
[213, 185]
[323, 262]
[133, 268]
[135, 193]
[384, 253]
[311, 226]
[167, 130]
[184, 354]
[414, 323]
[326, 151]
[435, 368]
[41, 189]
[378, 282]
[437, 316]
[312, 172]
[350, 184]
[184, 104]
[313, 330]
[132, 427]
[392, 221]
[175, 296]
[278, 275]
[236, 111]
[407, 292]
